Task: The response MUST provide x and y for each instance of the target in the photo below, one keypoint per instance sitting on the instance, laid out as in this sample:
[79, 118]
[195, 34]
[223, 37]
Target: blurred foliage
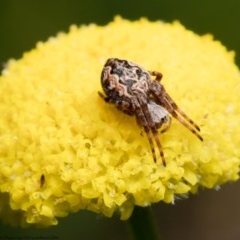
[24, 23]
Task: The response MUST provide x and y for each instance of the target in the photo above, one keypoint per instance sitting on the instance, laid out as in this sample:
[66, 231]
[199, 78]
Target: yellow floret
[63, 149]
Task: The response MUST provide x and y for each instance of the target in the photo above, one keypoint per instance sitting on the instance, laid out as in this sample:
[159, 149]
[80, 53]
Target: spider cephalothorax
[130, 87]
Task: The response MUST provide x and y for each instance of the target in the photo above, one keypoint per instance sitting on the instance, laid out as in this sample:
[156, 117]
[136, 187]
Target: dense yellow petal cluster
[62, 148]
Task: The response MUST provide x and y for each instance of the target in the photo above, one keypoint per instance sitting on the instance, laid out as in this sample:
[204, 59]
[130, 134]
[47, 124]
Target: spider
[131, 88]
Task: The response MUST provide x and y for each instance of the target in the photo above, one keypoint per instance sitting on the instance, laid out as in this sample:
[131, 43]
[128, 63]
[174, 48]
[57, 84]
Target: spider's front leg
[144, 118]
[169, 122]
[163, 98]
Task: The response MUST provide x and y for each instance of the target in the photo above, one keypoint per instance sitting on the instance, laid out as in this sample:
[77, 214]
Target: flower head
[62, 148]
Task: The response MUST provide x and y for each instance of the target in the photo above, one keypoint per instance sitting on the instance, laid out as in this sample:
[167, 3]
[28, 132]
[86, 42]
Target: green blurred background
[209, 215]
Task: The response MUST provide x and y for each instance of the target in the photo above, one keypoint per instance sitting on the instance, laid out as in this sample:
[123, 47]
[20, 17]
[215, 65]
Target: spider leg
[121, 105]
[125, 107]
[106, 99]
[167, 102]
[182, 117]
[145, 120]
[156, 74]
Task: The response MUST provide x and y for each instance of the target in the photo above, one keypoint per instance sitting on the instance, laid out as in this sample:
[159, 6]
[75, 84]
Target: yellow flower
[63, 149]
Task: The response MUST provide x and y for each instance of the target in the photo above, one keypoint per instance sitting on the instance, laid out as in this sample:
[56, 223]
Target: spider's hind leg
[156, 74]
